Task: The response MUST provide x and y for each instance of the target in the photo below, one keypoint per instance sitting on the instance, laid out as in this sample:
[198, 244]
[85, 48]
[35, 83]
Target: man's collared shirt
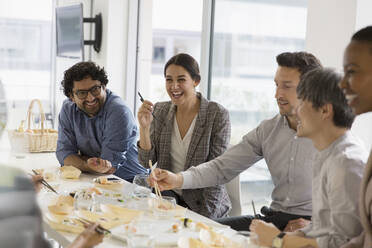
[110, 135]
[288, 158]
[337, 175]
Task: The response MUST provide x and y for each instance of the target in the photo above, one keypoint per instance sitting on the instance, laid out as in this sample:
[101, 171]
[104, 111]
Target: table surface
[159, 228]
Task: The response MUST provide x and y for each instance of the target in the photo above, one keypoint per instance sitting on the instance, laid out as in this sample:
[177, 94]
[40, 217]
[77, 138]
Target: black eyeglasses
[82, 94]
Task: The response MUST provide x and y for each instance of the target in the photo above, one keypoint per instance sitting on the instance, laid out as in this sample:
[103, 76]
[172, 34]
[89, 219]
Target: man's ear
[327, 111]
[72, 98]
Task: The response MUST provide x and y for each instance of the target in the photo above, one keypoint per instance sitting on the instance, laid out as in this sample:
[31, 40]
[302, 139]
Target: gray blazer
[210, 139]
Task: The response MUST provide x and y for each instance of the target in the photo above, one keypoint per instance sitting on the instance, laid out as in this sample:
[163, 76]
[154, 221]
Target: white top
[337, 174]
[179, 148]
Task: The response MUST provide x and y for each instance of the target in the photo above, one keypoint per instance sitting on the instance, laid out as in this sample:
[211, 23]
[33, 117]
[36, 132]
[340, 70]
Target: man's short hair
[320, 87]
[81, 71]
[302, 61]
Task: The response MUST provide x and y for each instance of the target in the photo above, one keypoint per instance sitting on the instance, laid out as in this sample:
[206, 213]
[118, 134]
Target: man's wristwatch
[278, 241]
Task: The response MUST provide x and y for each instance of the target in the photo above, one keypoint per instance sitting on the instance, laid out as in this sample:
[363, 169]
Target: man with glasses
[97, 131]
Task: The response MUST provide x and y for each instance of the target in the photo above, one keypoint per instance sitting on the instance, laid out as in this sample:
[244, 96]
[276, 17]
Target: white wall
[330, 25]
[114, 40]
[144, 62]
[363, 13]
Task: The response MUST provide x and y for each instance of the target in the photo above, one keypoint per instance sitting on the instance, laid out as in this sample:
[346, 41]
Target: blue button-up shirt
[110, 135]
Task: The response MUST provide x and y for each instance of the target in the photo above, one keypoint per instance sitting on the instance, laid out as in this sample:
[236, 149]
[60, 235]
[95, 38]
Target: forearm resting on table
[77, 161]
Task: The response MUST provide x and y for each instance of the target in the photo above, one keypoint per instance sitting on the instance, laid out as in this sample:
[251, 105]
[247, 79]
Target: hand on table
[88, 238]
[144, 114]
[166, 180]
[100, 165]
[266, 232]
[296, 224]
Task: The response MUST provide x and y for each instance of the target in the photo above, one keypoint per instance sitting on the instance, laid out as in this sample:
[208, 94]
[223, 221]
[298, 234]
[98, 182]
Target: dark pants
[179, 199]
[242, 223]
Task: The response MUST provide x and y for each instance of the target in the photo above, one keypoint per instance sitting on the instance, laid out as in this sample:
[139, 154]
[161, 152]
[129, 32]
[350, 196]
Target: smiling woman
[358, 76]
[188, 130]
[357, 85]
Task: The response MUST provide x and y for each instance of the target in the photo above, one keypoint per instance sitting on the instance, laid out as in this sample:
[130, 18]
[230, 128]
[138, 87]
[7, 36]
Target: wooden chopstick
[156, 186]
[99, 229]
[157, 191]
[45, 183]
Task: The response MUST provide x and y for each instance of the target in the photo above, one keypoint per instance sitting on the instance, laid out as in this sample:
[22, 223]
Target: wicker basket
[33, 140]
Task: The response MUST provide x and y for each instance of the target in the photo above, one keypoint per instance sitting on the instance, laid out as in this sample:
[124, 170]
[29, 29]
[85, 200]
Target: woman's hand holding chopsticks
[155, 184]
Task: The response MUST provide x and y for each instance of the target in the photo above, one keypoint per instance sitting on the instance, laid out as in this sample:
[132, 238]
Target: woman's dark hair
[320, 87]
[302, 61]
[365, 34]
[187, 62]
[81, 71]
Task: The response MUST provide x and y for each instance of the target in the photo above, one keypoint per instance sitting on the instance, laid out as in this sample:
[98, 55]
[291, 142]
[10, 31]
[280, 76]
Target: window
[174, 31]
[25, 55]
[243, 65]
[25, 58]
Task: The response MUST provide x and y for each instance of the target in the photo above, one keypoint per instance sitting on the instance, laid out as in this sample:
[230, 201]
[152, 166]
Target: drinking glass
[142, 188]
[84, 200]
[162, 207]
[141, 241]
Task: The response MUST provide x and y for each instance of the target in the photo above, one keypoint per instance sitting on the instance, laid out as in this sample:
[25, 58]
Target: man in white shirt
[288, 158]
[325, 118]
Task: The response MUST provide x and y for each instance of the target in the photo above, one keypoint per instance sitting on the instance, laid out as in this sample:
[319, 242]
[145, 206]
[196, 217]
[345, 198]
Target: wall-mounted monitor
[70, 31]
